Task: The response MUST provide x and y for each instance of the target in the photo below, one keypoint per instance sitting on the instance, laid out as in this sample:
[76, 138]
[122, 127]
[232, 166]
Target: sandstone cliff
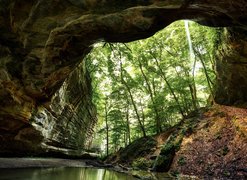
[231, 66]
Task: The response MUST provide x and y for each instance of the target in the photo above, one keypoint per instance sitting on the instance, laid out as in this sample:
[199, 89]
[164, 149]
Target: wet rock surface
[39, 162]
[62, 126]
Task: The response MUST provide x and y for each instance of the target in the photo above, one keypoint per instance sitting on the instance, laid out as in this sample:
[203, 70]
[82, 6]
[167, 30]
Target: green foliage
[147, 86]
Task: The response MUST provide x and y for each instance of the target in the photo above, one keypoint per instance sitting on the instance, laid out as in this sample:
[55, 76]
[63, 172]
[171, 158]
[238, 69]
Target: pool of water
[62, 173]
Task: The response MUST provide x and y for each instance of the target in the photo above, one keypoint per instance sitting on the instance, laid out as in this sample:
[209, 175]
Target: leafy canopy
[144, 87]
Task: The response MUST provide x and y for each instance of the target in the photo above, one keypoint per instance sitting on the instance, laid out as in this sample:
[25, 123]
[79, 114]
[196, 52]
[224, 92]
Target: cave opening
[145, 87]
[46, 104]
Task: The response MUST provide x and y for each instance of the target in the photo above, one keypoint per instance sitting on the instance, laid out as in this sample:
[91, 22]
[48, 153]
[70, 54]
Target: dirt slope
[217, 148]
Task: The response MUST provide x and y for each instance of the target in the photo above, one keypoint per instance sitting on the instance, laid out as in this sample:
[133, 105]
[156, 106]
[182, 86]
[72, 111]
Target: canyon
[45, 91]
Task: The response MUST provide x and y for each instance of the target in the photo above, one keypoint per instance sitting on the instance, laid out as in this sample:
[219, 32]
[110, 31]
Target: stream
[66, 169]
[62, 173]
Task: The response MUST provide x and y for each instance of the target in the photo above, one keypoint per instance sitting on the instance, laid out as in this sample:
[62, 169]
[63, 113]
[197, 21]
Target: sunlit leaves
[156, 70]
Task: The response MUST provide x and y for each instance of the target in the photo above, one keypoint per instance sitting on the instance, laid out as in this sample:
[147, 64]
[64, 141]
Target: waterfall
[196, 65]
[186, 25]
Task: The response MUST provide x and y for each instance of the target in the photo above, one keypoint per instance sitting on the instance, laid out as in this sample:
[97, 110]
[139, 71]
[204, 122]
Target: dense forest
[145, 87]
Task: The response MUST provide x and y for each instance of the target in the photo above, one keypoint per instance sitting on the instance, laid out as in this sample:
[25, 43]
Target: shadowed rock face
[45, 101]
[231, 67]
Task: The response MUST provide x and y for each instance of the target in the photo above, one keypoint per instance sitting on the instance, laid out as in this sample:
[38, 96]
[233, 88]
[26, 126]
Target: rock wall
[67, 122]
[62, 125]
[41, 44]
[231, 67]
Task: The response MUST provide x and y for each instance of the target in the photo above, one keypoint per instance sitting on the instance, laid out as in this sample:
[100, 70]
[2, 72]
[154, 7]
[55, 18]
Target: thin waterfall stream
[191, 52]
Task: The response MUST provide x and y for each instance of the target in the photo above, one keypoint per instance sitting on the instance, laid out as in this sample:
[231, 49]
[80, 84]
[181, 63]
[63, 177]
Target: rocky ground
[217, 148]
[212, 144]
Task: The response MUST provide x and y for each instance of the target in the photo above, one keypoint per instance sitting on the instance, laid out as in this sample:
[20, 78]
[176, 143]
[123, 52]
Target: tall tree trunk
[130, 93]
[132, 100]
[192, 87]
[128, 123]
[209, 81]
[183, 96]
[193, 94]
[157, 118]
[107, 128]
[125, 139]
[143, 115]
[169, 86]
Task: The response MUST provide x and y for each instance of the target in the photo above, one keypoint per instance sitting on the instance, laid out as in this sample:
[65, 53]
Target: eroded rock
[231, 66]
[42, 43]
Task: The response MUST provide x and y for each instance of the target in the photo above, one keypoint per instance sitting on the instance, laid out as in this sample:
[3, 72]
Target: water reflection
[62, 174]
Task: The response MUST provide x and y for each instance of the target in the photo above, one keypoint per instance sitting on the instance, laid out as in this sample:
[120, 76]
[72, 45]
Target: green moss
[137, 149]
[226, 173]
[181, 161]
[173, 144]
[142, 163]
[225, 151]
[163, 162]
[175, 173]
[167, 148]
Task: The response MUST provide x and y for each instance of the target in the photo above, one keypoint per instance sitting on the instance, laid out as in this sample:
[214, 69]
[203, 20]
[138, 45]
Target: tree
[144, 87]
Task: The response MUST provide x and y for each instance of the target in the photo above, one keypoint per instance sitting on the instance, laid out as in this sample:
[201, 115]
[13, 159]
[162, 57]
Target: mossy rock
[163, 162]
[181, 161]
[172, 144]
[133, 153]
[138, 148]
[142, 163]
